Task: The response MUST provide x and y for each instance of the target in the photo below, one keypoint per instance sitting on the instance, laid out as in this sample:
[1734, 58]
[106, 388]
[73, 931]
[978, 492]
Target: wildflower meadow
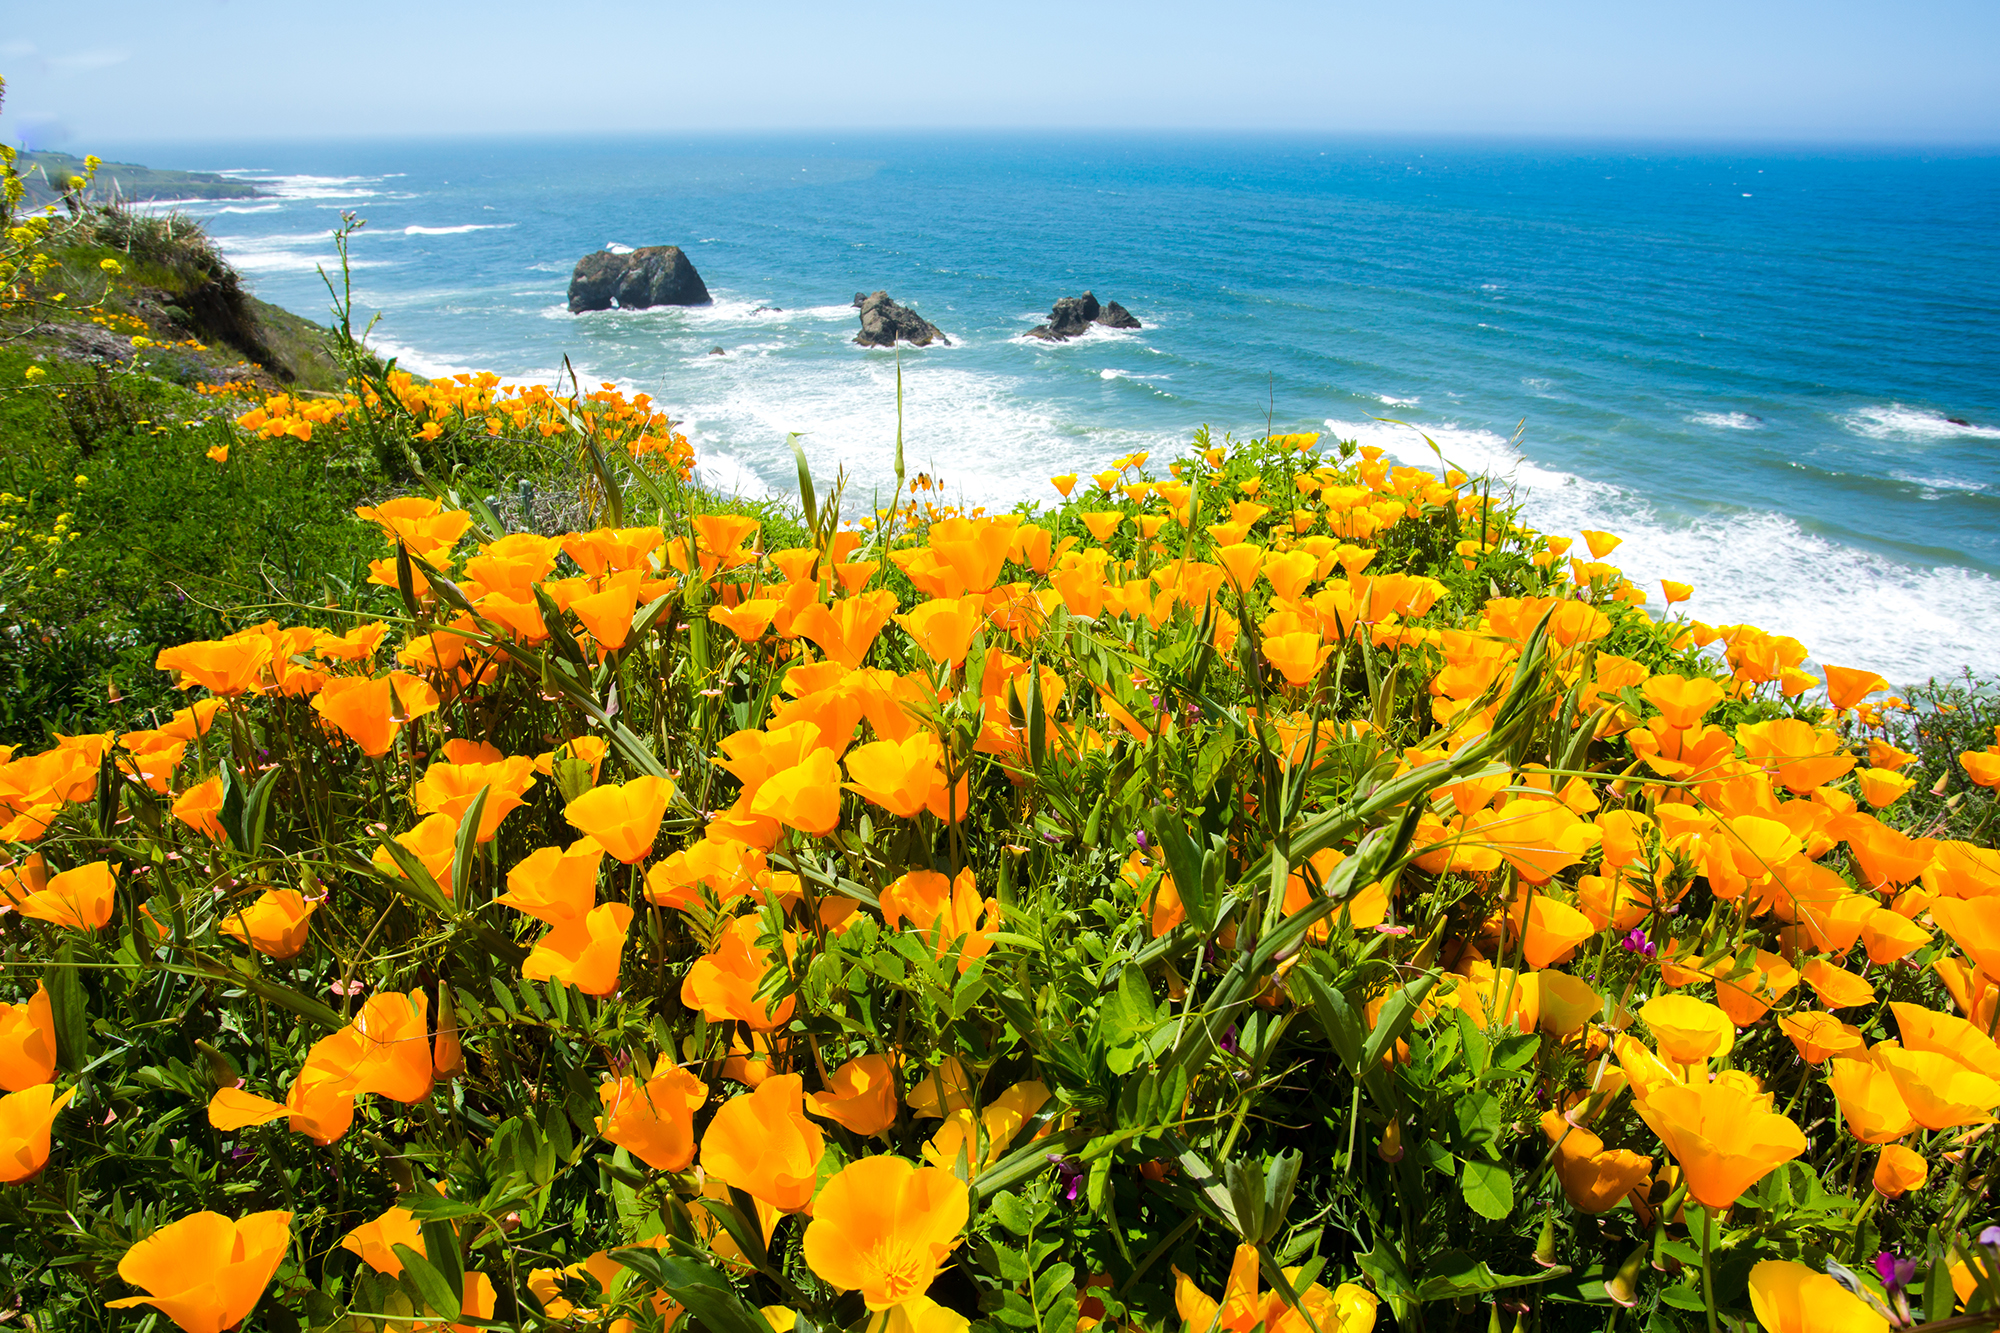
[1271, 887]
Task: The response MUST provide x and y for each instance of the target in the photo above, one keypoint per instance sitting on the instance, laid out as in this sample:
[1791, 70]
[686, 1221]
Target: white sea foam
[459, 230]
[1897, 422]
[1114, 374]
[989, 442]
[1847, 606]
[1541, 388]
[318, 187]
[1940, 483]
[618, 247]
[250, 208]
[1394, 401]
[285, 252]
[1727, 420]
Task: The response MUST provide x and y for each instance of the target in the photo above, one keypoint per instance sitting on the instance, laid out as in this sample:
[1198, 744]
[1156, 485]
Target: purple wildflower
[1896, 1273]
[1636, 942]
[1069, 1176]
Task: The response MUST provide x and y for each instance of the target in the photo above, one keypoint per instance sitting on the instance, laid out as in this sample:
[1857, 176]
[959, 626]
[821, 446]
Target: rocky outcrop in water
[1073, 315]
[884, 323]
[649, 276]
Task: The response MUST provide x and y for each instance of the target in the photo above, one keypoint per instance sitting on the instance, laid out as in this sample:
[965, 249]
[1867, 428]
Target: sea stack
[649, 276]
[1073, 315]
[883, 323]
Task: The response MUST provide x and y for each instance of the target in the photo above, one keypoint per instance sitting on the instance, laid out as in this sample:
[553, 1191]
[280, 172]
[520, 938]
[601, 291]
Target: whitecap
[1394, 401]
[1897, 422]
[458, 230]
[1727, 420]
[617, 248]
[1846, 605]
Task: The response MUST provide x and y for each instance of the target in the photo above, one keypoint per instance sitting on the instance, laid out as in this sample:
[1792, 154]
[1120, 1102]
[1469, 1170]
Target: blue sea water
[1775, 372]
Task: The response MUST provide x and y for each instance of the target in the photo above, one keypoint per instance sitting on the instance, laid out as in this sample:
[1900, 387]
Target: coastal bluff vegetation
[458, 870]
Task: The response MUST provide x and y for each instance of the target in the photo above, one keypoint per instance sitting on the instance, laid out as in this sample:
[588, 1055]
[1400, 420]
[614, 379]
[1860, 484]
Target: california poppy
[375, 1240]
[625, 819]
[206, 1272]
[275, 925]
[199, 806]
[25, 1120]
[1593, 1179]
[762, 1143]
[724, 983]
[1724, 1137]
[884, 1228]
[654, 1120]
[1348, 1308]
[27, 1041]
[80, 899]
[1789, 1297]
[860, 1095]
[1688, 1030]
[450, 788]
[1898, 1171]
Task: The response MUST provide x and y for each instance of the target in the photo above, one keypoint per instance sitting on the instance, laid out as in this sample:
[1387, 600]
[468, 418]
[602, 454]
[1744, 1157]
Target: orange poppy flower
[199, 806]
[1594, 1180]
[434, 842]
[276, 925]
[1348, 1308]
[762, 1143]
[1790, 1297]
[394, 1058]
[372, 713]
[1538, 836]
[1688, 1030]
[1927, 1030]
[1819, 1036]
[450, 788]
[1940, 1092]
[905, 778]
[1298, 656]
[1836, 987]
[204, 1271]
[554, 884]
[225, 667]
[805, 797]
[860, 1096]
[653, 1121]
[724, 984]
[943, 628]
[27, 1041]
[80, 899]
[846, 631]
[25, 1121]
[1898, 1171]
[948, 1079]
[625, 819]
[1724, 1137]
[1551, 930]
[1974, 926]
[375, 1240]
[946, 911]
[884, 1228]
[1870, 1100]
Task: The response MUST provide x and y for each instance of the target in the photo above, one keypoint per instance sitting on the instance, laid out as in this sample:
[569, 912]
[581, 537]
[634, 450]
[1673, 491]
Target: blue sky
[1912, 71]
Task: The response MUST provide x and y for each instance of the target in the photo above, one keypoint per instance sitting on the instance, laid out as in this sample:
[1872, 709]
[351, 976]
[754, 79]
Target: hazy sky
[120, 72]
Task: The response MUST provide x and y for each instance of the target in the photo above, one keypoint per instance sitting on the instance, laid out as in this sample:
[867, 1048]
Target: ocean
[1775, 372]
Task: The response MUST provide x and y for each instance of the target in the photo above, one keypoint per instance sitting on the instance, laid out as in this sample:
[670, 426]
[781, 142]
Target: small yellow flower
[35, 373]
[111, 266]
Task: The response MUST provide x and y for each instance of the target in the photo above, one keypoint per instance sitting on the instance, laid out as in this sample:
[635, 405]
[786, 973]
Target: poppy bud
[1390, 1148]
[1545, 1247]
[1624, 1285]
[221, 1069]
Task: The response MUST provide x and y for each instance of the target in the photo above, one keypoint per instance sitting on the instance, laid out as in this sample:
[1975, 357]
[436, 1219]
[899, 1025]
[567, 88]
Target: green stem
[1707, 1268]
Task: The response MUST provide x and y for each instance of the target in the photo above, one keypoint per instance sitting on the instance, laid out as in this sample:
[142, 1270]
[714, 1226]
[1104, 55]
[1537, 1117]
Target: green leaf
[465, 853]
[1456, 1273]
[70, 1010]
[1488, 1188]
[1398, 1013]
[705, 1292]
[430, 1284]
